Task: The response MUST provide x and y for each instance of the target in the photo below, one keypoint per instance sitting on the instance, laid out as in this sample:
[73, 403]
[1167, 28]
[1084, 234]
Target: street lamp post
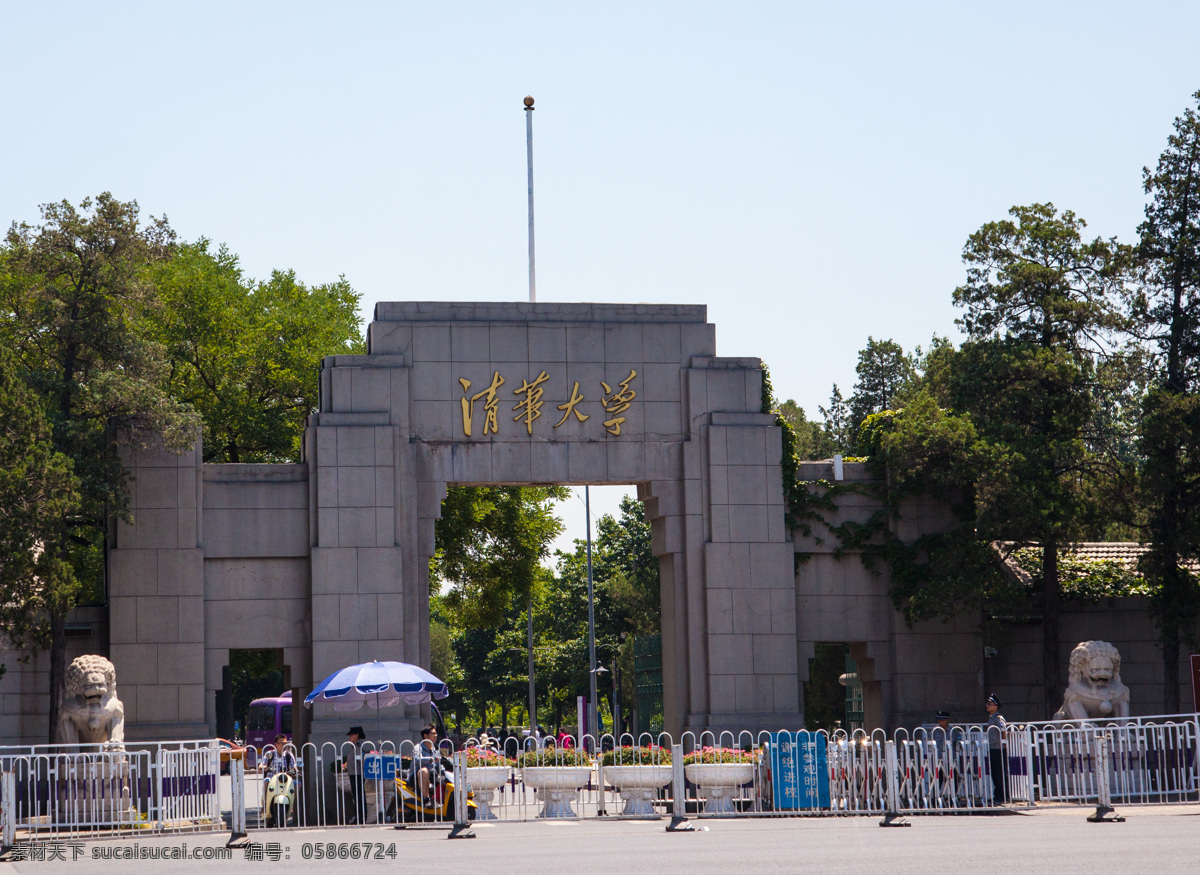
[532, 687]
[592, 713]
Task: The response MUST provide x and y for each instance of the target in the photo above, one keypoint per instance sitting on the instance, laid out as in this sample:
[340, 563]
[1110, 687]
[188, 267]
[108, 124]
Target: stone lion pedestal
[94, 784]
[1094, 688]
[1095, 693]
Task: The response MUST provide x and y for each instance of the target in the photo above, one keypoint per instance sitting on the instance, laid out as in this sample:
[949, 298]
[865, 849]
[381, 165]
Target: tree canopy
[118, 336]
[76, 299]
[246, 354]
[489, 544]
[38, 488]
[1165, 313]
[487, 647]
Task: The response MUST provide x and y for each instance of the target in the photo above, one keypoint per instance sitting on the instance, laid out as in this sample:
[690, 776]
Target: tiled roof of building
[1125, 552]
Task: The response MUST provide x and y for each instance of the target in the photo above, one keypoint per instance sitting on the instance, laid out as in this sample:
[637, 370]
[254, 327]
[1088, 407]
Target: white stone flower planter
[638, 786]
[558, 785]
[718, 782]
[484, 781]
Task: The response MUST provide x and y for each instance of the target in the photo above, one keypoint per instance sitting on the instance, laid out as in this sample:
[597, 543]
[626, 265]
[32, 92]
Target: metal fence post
[237, 797]
[1104, 809]
[158, 787]
[600, 812]
[8, 809]
[891, 768]
[462, 817]
[1028, 742]
[678, 793]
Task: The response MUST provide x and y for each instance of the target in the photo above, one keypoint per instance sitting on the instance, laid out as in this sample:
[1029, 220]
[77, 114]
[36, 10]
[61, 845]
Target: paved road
[1155, 840]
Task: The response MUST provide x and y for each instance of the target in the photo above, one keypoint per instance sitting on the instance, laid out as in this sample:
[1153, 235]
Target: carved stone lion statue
[91, 713]
[1094, 688]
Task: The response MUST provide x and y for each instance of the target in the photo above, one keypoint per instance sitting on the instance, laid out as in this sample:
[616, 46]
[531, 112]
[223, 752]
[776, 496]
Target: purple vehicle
[268, 718]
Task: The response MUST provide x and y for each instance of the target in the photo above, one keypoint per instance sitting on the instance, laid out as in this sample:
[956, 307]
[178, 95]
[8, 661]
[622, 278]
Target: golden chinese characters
[532, 395]
[529, 408]
[491, 402]
[617, 402]
[571, 407]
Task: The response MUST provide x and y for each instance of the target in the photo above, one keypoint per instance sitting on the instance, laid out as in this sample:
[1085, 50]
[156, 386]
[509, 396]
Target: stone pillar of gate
[156, 597]
[364, 608]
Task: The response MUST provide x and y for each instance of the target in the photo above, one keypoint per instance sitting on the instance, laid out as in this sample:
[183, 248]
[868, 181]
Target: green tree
[490, 542]
[625, 585]
[1166, 313]
[76, 300]
[37, 489]
[247, 355]
[883, 370]
[812, 441]
[839, 428]
[927, 449]
[1039, 306]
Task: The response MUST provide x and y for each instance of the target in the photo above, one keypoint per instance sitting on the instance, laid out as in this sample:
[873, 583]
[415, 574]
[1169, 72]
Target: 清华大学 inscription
[529, 408]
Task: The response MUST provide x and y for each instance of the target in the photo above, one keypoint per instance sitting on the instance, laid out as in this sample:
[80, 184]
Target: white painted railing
[157, 787]
[93, 790]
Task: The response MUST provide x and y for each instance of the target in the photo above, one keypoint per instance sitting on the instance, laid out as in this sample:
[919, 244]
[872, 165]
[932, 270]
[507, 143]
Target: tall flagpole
[529, 163]
[532, 299]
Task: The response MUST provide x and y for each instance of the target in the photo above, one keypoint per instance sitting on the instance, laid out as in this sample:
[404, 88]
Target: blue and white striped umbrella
[379, 684]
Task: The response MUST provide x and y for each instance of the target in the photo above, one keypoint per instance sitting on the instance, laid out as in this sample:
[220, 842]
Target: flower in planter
[482, 757]
[651, 755]
[718, 755]
[554, 758]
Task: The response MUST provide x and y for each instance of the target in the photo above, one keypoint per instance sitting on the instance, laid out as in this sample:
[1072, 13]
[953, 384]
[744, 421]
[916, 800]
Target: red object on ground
[1195, 681]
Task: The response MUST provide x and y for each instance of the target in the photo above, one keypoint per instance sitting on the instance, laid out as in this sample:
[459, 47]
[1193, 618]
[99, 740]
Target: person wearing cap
[426, 764]
[941, 738]
[995, 731]
[941, 733]
[352, 763]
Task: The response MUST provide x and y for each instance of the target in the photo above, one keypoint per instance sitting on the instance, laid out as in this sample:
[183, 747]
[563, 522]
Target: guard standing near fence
[995, 731]
[353, 766]
[941, 740]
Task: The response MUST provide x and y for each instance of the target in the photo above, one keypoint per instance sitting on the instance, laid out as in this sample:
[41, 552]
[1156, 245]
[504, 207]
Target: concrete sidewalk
[1159, 839]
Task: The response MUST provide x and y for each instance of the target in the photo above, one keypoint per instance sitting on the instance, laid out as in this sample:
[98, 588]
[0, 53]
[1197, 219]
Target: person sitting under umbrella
[426, 763]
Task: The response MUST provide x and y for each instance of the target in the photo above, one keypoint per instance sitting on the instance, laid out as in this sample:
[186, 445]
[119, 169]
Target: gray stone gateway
[326, 561]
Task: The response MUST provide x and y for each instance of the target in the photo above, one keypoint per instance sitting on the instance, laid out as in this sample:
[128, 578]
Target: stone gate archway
[488, 394]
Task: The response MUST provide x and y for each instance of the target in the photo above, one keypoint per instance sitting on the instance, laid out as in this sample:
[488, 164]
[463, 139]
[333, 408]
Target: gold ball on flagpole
[529, 101]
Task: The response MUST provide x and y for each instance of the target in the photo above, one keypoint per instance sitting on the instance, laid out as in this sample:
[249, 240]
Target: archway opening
[833, 693]
[487, 626]
[251, 675]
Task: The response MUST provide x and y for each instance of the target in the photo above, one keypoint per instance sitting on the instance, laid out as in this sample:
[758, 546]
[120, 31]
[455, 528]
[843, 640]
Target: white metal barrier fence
[157, 787]
[768, 773]
[92, 790]
[1144, 762]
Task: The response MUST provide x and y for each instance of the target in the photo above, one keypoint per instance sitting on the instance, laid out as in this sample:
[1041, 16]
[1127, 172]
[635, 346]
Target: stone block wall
[912, 672]
[1015, 671]
[257, 594]
[156, 597]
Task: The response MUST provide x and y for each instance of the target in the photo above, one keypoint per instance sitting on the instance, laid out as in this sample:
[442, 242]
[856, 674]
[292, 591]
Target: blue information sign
[799, 770]
[377, 765]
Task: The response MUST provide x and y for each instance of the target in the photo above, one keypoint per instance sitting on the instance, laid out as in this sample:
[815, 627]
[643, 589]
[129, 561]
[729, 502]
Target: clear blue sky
[808, 171]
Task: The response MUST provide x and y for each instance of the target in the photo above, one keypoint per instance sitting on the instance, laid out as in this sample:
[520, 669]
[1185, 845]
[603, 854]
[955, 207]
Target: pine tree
[1167, 313]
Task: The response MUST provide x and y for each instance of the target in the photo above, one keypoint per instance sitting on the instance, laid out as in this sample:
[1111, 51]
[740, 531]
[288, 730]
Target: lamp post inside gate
[593, 727]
